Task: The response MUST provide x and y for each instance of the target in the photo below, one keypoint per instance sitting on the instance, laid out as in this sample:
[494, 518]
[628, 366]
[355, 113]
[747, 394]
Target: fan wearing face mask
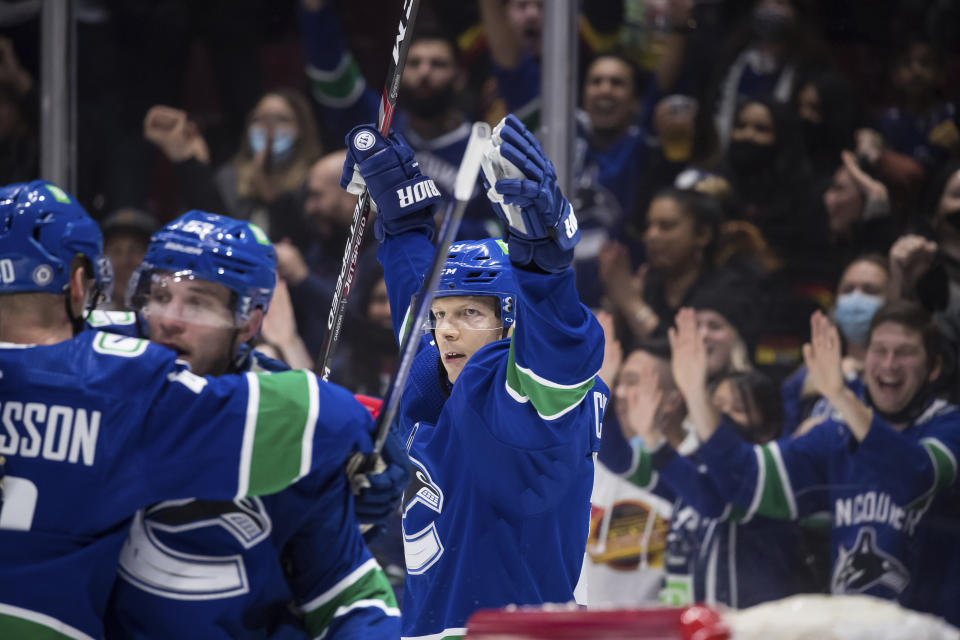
[263, 181]
[861, 291]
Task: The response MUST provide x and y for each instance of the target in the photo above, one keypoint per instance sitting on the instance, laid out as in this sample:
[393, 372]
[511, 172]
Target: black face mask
[429, 106]
[770, 24]
[747, 158]
[917, 405]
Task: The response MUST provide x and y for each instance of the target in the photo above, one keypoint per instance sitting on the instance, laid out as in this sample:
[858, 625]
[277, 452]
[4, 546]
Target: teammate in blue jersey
[428, 115]
[882, 461]
[502, 414]
[216, 569]
[98, 425]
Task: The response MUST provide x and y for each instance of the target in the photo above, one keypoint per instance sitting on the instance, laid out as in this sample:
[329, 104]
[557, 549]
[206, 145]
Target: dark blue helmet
[234, 253]
[481, 268]
[42, 229]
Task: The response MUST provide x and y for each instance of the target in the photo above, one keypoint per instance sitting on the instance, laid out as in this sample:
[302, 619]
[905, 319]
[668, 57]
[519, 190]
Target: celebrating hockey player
[98, 425]
[202, 290]
[503, 410]
[882, 460]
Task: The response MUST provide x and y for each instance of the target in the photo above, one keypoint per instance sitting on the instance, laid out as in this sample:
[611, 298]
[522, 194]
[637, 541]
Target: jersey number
[19, 503]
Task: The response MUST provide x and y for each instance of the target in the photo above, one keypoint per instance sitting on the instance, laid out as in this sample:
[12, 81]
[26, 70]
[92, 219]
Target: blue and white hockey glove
[545, 231]
[380, 498]
[386, 167]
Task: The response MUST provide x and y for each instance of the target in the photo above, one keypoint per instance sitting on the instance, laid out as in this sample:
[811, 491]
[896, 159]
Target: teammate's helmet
[211, 247]
[42, 229]
[481, 268]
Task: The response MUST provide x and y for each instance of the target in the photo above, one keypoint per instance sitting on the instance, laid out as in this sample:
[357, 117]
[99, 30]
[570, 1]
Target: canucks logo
[422, 547]
[865, 565]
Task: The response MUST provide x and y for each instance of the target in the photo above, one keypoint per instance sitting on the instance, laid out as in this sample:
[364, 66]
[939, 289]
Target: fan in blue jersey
[503, 410]
[230, 569]
[97, 426]
[882, 460]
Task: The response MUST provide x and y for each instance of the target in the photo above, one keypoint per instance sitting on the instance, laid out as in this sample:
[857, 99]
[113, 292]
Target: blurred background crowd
[755, 160]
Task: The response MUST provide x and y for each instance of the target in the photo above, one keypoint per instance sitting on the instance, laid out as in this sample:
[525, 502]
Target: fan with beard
[427, 103]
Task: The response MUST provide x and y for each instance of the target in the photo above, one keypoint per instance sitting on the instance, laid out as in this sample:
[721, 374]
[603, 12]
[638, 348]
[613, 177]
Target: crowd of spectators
[751, 160]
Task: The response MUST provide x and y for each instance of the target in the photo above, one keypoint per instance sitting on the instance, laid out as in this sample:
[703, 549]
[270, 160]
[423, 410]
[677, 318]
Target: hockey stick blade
[361, 213]
[410, 340]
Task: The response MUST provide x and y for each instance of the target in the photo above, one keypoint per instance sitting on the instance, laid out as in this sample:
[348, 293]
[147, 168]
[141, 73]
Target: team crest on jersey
[866, 565]
[423, 547]
[147, 562]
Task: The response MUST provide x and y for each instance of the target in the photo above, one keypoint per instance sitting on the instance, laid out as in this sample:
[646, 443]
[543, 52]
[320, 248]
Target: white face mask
[281, 146]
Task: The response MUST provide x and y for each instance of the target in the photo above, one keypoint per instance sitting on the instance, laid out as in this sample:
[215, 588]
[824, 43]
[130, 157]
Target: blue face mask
[280, 149]
[853, 314]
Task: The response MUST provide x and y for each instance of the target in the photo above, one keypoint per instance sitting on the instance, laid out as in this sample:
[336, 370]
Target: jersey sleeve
[557, 345]
[405, 259]
[337, 585]
[776, 480]
[335, 79]
[251, 434]
[670, 475]
[920, 468]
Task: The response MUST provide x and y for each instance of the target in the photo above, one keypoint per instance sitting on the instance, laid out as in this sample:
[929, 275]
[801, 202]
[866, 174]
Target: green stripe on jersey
[550, 399]
[370, 589]
[774, 501]
[339, 87]
[24, 624]
[643, 475]
[281, 420]
[943, 463]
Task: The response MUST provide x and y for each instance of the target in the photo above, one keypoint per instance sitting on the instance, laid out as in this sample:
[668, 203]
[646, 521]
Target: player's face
[671, 237]
[463, 324]
[895, 366]
[719, 337]
[193, 318]
[608, 95]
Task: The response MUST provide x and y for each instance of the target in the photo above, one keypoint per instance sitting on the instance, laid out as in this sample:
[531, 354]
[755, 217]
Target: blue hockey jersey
[101, 425]
[882, 493]
[498, 508]
[713, 553]
[231, 569]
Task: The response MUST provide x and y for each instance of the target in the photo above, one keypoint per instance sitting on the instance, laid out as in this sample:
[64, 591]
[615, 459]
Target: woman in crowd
[263, 182]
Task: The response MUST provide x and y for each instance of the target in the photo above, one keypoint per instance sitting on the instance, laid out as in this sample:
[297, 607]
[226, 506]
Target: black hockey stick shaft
[361, 213]
[420, 305]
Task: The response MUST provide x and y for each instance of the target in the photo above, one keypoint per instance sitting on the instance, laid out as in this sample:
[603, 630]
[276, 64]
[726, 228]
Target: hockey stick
[361, 213]
[420, 305]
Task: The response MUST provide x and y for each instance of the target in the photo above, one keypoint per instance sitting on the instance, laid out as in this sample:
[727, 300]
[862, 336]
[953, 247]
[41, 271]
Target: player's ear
[79, 286]
[252, 326]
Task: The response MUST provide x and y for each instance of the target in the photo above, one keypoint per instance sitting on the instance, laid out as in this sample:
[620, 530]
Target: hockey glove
[522, 177]
[386, 167]
[384, 489]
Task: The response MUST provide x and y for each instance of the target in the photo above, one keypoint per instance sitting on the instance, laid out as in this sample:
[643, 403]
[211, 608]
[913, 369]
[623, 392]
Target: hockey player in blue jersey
[98, 425]
[204, 296]
[882, 461]
[503, 410]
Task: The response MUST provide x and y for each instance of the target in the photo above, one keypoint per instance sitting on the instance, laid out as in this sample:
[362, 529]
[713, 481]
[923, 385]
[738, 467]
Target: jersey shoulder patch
[99, 319]
[112, 344]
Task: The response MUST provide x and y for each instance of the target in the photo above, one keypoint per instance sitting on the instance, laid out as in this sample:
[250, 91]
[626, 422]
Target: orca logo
[364, 140]
[865, 565]
[422, 489]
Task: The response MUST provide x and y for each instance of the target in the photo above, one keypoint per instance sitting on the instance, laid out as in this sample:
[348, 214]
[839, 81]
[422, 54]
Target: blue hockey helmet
[42, 229]
[481, 268]
[207, 246]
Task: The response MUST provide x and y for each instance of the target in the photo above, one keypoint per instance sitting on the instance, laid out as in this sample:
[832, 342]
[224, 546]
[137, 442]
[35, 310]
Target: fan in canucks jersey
[96, 426]
[883, 458]
[503, 410]
[230, 569]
